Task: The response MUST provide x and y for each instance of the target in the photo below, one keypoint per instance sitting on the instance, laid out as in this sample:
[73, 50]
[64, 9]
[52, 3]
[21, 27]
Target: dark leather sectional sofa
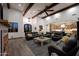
[33, 35]
[70, 49]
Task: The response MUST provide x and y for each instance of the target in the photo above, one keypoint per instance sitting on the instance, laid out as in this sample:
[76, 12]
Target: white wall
[38, 22]
[66, 16]
[15, 16]
[61, 17]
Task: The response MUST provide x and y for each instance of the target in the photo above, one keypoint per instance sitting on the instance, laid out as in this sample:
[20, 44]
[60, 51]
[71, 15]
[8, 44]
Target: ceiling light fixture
[47, 18]
[57, 15]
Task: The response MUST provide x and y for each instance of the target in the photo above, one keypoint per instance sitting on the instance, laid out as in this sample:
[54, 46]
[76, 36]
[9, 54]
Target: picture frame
[13, 27]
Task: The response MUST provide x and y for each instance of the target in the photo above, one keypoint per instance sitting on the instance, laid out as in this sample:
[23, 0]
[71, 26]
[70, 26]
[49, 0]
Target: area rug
[37, 49]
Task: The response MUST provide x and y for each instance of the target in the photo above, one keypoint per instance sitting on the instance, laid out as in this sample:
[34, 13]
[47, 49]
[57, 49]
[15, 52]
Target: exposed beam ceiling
[46, 9]
[27, 9]
[8, 5]
[46, 13]
[62, 10]
[49, 10]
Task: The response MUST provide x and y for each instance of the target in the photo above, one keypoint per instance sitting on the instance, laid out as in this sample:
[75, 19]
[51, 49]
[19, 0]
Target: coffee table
[42, 40]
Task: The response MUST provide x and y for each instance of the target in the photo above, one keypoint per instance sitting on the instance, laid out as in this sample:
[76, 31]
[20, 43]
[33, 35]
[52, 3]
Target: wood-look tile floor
[18, 47]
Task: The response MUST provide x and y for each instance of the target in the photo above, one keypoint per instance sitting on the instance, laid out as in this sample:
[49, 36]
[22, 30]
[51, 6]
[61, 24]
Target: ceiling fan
[47, 10]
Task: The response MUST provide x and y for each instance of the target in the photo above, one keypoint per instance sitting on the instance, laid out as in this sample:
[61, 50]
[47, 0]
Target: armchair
[48, 34]
[28, 36]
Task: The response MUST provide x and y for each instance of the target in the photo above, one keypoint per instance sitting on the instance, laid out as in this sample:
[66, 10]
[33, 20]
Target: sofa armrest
[53, 49]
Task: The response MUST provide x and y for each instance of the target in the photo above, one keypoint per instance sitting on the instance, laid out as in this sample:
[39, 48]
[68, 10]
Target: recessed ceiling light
[47, 18]
[19, 5]
[57, 15]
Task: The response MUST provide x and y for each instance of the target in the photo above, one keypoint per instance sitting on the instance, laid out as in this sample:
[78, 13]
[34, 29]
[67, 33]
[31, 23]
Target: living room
[40, 29]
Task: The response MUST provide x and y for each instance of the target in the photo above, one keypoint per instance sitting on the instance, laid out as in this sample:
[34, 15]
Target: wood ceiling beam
[48, 7]
[28, 8]
[62, 10]
[8, 5]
